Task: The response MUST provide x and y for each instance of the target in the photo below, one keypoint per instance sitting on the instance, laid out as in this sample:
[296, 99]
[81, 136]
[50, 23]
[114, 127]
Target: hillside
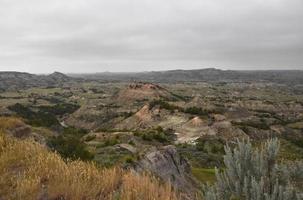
[174, 131]
[139, 91]
[21, 80]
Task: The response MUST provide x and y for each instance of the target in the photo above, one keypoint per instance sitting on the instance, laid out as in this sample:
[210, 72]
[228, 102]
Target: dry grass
[10, 122]
[142, 187]
[29, 171]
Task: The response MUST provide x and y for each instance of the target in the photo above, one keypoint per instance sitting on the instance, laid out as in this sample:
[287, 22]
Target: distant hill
[207, 75]
[139, 91]
[21, 80]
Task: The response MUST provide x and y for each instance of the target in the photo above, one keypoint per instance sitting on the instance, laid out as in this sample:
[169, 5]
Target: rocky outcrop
[20, 131]
[139, 91]
[167, 164]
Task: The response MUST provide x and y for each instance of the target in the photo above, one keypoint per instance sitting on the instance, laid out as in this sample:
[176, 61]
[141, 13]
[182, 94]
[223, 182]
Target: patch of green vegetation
[210, 145]
[52, 99]
[204, 175]
[196, 111]
[97, 91]
[109, 142]
[131, 142]
[78, 132]
[297, 125]
[70, 147]
[178, 97]
[163, 104]
[39, 118]
[291, 150]
[262, 124]
[129, 159]
[109, 156]
[198, 158]
[160, 137]
[59, 109]
[157, 134]
[146, 137]
[207, 152]
[69, 144]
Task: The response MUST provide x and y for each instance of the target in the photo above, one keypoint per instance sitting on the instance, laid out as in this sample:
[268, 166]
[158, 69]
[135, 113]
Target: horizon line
[134, 72]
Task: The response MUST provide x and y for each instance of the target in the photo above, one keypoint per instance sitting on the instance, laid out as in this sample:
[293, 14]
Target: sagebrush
[256, 175]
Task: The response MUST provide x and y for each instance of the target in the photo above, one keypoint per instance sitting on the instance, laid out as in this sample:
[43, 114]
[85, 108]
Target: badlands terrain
[173, 124]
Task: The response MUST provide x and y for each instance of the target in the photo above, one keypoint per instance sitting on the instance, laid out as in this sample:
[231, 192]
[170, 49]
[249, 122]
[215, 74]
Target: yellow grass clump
[10, 122]
[29, 171]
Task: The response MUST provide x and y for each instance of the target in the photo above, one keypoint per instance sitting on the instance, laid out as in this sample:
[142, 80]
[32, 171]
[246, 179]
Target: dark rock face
[21, 131]
[167, 164]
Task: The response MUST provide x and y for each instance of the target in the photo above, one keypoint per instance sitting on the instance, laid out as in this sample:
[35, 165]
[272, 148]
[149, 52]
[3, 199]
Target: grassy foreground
[29, 171]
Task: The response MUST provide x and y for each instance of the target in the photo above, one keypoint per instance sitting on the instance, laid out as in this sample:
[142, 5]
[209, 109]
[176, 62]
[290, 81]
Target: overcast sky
[42, 36]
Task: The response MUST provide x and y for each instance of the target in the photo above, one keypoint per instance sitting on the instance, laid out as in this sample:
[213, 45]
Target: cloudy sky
[42, 36]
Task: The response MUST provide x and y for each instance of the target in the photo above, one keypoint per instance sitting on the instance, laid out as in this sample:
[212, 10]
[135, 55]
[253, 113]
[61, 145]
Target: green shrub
[129, 159]
[39, 118]
[70, 147]
[147, 136]
[298, 141]
[160, 137]
[210, 145]
[196, 111]
[163, 105]
[159, 129]
[156, 134]
[77, 132]
[110, 142]
[254, 175]
[59, 109]
[131, 142]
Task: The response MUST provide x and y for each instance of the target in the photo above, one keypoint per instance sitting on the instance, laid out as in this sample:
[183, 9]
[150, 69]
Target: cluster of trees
[196, 111]
[43, 115]
[70, 145]
[163, 104]
[210, 145]
[35, 118]
[157, 134]
[59, 109]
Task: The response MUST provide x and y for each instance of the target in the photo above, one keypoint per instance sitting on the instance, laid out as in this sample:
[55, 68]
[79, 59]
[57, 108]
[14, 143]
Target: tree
[253, 175]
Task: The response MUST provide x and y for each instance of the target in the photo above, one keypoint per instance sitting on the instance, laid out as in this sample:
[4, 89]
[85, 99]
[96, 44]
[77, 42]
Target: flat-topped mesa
[143, 91]
[144, 86]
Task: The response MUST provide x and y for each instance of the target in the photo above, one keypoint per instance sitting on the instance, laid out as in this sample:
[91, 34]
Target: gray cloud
[135, 35]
